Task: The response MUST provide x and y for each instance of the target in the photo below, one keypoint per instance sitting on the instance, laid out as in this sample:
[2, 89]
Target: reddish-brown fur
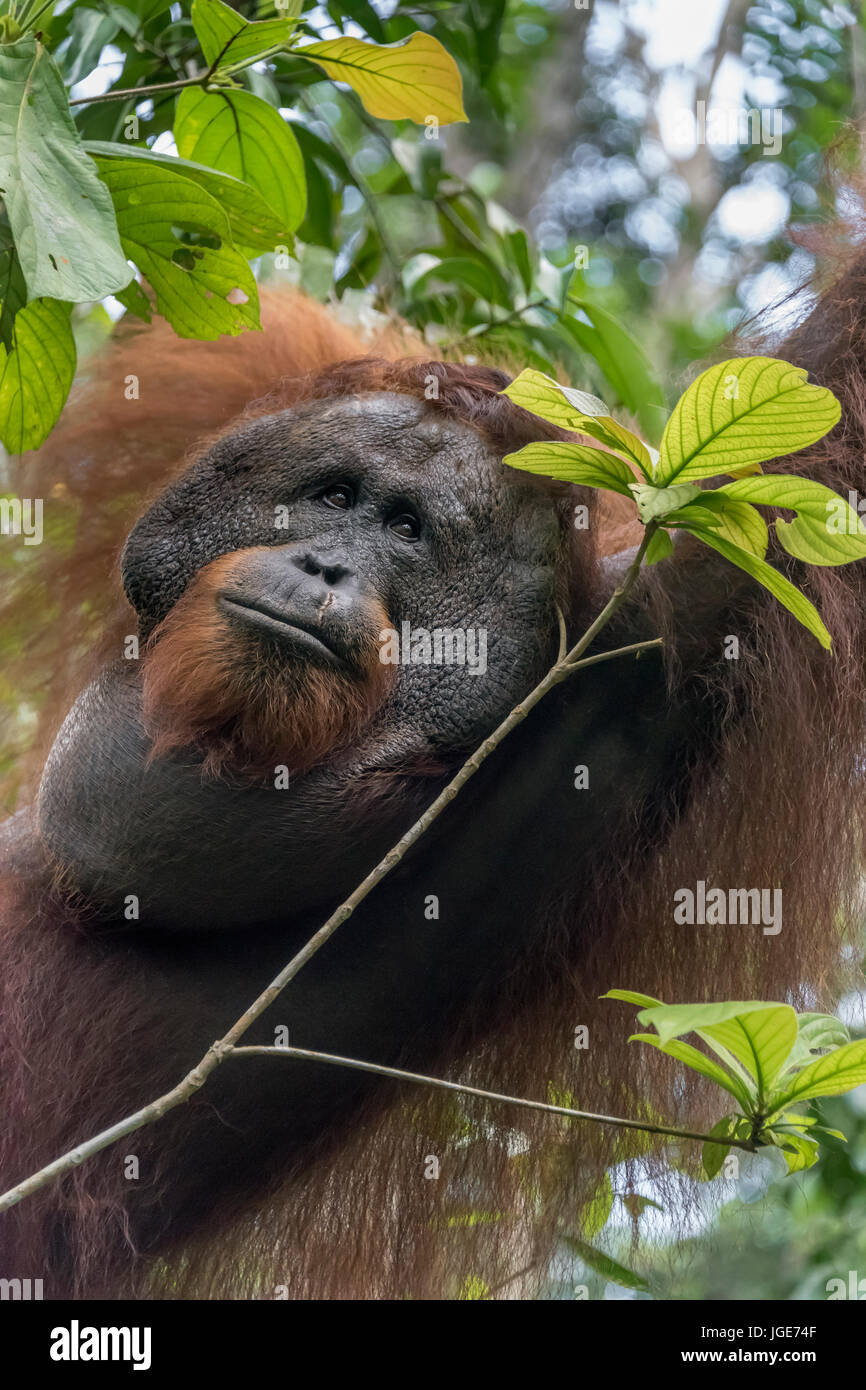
[778, 801]
[205, 685]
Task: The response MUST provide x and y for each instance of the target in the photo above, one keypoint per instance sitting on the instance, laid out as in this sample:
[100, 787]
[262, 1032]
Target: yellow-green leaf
[776, 583]
[244, 136]
[204, 289]
[573, 463]
[36, 375]
[227, 38]
[832, 1075]
[412, 80]
[735, 521]
[826, 530]
[577, 410]
[742, 412]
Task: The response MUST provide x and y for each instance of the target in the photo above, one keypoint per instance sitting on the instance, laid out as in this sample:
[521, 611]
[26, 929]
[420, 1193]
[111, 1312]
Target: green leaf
[573, 463]
[832, 1075]
[815, 1032]
[653, 503]
[59, 212]
[482, 277]
[604, 1265]
[659, 548]
[759, 1035]
[714, 1155]
[742, 412]
[622, 360]
[517, 247]
[577, 410]
[789, 597]
[691, 1057]
[826, 531]
[798, 1151]
[13, 290]
[411, 80]
[246, 137]
[631, 996]
[202, 290]
[225, 36]
[36, 374]
[255, 228]
[734, 521]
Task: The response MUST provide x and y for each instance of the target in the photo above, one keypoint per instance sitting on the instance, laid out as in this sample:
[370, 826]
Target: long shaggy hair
[776, 801]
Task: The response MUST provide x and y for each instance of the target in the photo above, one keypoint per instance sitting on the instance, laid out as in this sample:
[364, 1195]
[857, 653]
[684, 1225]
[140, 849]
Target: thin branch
[225, 1045]
[303, 1054]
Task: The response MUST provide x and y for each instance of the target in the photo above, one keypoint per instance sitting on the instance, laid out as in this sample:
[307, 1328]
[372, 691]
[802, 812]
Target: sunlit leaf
[203, 290]
[244, 136]
[826, 529]
[573, 463]
[571, 409]
[742, 412]
[412, 80]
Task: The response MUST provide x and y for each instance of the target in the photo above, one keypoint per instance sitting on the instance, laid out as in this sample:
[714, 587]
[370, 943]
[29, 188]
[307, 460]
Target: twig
[303, 1054]
[225, 1045]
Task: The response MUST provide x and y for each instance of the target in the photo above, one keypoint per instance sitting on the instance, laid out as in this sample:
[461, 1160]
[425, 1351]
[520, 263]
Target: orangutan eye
[340, 495]
[406, 526]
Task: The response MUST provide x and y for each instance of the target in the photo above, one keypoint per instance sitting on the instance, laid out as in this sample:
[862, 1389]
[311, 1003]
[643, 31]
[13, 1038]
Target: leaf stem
[332, 1059]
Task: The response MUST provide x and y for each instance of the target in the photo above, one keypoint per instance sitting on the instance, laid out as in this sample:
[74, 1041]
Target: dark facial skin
[374, 502]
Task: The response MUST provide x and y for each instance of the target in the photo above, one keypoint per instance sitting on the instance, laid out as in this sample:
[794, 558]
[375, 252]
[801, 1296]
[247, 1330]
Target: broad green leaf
[573, 463]
[826, 530]
[203, 290]
[734, 521]
[622, 361]
[742, 412]
[759, 1035]
[577, 410]
[714, 1155]
[796, 603]
[604, 1265]
[653, 503]
[227, 38]
[412, 80]
[631, 996]
[659, 548]
[832, 1075]
[815, 1031]
[798, 1152]
[255, 228]
[36, 374]
[244, 136]
[13, 290]
[59, 212]
[698, 1061]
